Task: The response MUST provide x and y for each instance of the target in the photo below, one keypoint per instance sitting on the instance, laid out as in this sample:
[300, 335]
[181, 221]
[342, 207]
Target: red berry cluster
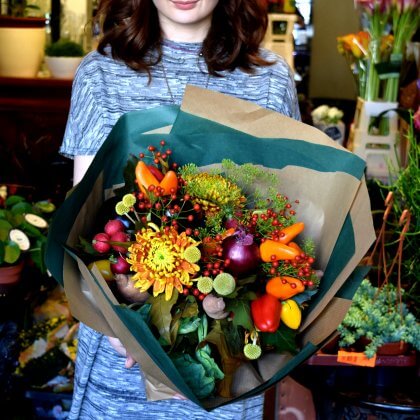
[300, 267]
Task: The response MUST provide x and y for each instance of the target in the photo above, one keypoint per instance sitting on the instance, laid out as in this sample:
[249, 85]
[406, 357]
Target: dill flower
[213, 191]
[158, 259]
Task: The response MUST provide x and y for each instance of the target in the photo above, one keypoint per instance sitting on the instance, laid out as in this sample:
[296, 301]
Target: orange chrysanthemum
[159, 259]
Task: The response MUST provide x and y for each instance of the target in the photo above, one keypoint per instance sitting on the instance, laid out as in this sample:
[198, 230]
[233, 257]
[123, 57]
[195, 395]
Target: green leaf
[2, 252]
[45, 206]
[5, 228]
[14, 199]
[241, 313]
[304, 296]
[38, 254]
[21, 208]
[12, 252]
[160, 314]
[194, 375]
[284, 339]
[129, 178]
[86, 246]
[30, 230]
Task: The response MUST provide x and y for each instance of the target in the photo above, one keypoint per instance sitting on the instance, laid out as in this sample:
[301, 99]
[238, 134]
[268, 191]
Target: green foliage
[195, 375]
[22, 8]
[64, 48]
[13, 217]
[405, 187]
[283, 340]
[378, 314]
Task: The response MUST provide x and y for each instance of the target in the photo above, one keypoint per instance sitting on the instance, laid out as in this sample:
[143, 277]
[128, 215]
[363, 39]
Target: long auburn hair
[131, 28]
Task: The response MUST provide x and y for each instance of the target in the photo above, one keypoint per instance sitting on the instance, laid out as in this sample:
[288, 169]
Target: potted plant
[63, 57]
[22, 39]
[23, 236]
[376, 318]
[390, 313]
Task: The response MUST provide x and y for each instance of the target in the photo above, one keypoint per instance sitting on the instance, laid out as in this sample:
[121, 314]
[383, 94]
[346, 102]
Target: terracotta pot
[10, 277]
[392, 349]
[388, 349]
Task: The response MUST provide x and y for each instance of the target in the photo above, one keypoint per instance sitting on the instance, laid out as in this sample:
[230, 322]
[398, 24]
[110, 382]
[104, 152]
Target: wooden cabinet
[33, 114]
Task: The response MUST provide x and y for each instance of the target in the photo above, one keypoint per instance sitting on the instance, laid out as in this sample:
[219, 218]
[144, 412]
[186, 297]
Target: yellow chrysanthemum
[158, 260]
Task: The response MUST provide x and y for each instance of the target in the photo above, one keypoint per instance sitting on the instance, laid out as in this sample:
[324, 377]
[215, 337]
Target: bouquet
[236, 164]
[217, 259]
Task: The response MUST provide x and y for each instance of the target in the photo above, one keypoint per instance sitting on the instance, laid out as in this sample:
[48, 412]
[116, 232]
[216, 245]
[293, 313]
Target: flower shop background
[331, 57]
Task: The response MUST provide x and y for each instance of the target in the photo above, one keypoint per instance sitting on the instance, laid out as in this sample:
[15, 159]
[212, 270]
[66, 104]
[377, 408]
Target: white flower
[320, 113]
[334, 115]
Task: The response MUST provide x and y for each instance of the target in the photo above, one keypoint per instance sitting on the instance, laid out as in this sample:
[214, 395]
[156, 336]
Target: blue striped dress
[103, 90]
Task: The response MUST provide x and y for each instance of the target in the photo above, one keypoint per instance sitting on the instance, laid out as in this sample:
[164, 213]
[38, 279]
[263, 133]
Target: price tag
[356, 359]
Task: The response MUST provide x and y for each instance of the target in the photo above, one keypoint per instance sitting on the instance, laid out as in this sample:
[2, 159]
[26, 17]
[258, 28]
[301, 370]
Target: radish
[120, 265]
[114, 226]
[100, 243]
[119, 237]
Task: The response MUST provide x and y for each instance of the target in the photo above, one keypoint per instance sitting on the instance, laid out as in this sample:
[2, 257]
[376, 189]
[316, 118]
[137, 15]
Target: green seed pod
[252, 351]
[121, 208]
[224, 284]
[129, 200]
[205, 285]
[192, 254]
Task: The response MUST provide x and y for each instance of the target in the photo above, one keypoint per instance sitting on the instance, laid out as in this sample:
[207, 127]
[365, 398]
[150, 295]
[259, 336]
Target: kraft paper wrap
[334, 204]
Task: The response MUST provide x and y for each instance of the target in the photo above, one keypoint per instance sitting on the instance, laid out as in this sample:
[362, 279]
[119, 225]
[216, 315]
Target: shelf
[321, 359]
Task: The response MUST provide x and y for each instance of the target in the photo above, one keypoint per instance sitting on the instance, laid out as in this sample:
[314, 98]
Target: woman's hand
[126, 287]
[129, 361]
[120, 349]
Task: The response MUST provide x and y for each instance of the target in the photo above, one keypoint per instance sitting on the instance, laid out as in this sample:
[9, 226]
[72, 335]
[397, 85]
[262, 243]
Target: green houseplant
[21, 8]
[395, 257]
[63, 57]
[23, 231]
[375, 315]
[22, 39]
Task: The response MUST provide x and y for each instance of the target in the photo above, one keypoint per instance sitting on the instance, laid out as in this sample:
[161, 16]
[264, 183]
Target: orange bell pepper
[145, 179]
[284, 287]
[289, 233]
[277, 250]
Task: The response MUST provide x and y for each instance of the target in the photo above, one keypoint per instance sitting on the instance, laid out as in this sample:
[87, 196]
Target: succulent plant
[377, 314]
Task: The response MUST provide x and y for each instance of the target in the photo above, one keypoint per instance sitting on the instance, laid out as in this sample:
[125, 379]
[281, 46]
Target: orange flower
[162, 259]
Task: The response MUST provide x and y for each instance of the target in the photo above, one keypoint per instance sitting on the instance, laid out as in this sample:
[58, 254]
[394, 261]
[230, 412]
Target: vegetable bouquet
[247, 248]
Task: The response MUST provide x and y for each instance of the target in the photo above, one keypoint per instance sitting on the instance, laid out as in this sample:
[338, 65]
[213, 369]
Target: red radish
[156, 172]
[100, 243]
[120, 266]
[119, 237]
[114, 226]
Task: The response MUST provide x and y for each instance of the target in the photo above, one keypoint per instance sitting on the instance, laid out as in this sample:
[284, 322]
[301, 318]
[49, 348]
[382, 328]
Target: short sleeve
[282, 95]
[84, 134]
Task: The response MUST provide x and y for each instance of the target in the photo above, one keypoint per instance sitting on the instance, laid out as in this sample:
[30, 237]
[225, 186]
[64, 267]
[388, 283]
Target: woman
[149, 51]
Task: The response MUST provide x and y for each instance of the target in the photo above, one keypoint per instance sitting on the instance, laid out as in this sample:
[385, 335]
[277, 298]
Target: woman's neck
[196, 32]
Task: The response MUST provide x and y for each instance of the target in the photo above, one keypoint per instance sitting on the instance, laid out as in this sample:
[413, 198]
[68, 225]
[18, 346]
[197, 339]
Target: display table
[387, 391]
[33, 115]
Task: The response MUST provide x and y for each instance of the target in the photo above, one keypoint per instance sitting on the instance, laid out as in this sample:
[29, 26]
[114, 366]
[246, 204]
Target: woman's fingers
[129, 362]
[179, 397]
[120, 349]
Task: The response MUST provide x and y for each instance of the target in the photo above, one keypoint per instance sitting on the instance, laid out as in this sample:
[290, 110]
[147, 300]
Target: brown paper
[92, 301]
